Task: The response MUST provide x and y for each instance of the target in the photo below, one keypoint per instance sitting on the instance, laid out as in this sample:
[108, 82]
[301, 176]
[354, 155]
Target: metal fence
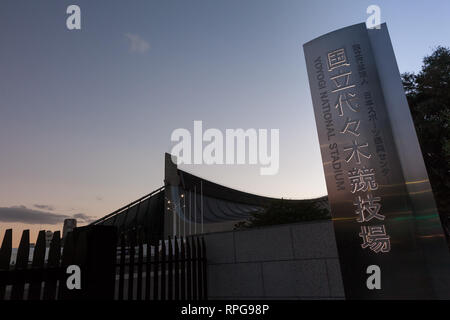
[123, 268]
[36, 279]
[174, 269]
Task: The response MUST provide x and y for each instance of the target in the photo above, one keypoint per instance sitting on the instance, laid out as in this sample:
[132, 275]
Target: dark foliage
[428, 94]
[283, 211]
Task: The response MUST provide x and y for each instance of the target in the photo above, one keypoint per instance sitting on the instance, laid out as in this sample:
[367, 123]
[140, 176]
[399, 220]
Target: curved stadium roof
[193, 199]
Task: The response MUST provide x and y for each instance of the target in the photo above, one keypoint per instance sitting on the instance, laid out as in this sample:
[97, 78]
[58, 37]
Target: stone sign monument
[390, 239]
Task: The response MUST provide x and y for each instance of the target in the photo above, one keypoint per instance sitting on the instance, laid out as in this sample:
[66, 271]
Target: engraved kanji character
[336, 59]
[342, 81]
[356, 152]
[348, 99]
[375, 238]
[351, 126]
[368, 208]
[362, 180]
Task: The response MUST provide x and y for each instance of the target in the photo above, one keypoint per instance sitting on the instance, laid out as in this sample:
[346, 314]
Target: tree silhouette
[284, 211]
[428, 94]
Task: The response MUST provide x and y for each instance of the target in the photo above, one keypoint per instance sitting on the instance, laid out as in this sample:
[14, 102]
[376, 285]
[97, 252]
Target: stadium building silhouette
[187, 205]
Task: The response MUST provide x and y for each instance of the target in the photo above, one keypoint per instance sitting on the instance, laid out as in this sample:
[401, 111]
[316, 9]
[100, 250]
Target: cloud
[81, 217]
[137, 43]
[44, 207]
[22, 214]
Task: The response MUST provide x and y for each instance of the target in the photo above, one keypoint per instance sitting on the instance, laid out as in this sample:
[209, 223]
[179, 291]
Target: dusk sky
[86, 115]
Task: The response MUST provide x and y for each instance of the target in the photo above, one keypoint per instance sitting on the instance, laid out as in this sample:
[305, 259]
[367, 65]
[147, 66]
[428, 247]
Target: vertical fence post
[67, 259]
[183, 270]
[189, 269]
[23, 255]
[199, 269]
[148, 273]
[156, 273]
[121, 266]
[38, 263]
[194, 269]
[5, 257]
[132, 244]
[204, 272]
[163, 270]
[54, 256]
[170, 271]
[140, 264]
[177, 271]
[96, 256]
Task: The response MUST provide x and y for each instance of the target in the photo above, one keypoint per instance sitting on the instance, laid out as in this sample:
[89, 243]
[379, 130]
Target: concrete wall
[296, 261]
